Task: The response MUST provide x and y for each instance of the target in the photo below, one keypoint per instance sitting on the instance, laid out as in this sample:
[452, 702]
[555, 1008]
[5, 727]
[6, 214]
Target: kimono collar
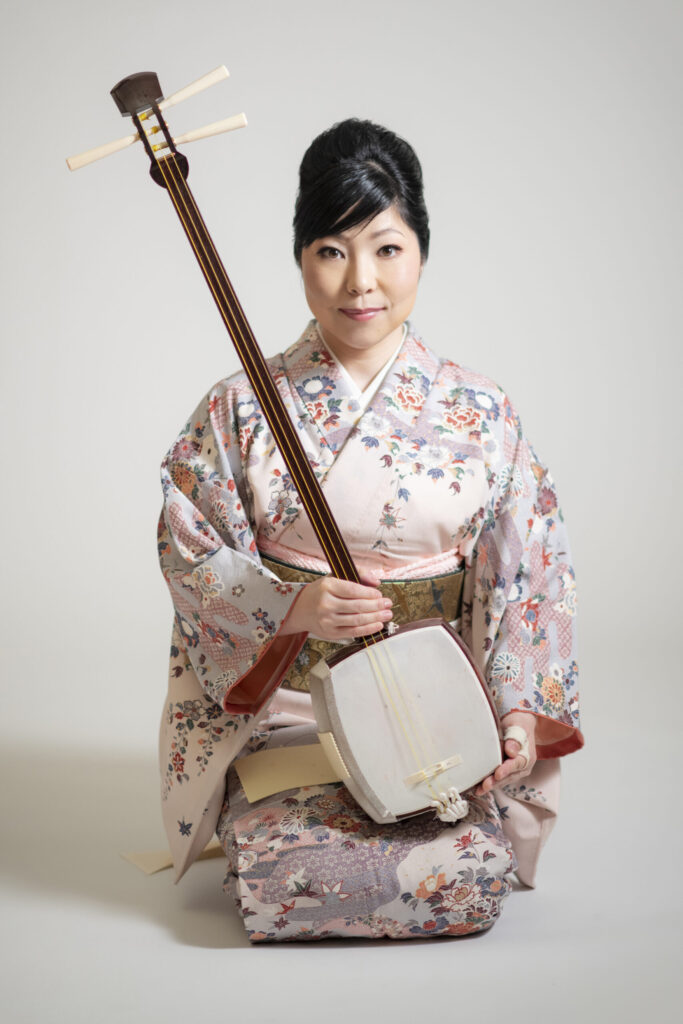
[328, 402]
[365, 396]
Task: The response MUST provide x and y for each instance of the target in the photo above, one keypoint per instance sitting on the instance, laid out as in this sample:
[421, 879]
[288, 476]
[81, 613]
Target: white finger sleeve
[520, 735]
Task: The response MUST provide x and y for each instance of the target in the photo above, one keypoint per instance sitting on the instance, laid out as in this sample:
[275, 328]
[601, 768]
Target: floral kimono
[433, 476]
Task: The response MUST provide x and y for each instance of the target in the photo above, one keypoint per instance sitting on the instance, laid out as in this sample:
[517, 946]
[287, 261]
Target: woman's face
[362, 285]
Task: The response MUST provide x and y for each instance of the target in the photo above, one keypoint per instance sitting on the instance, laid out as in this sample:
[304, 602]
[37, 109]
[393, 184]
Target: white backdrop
[550, 137]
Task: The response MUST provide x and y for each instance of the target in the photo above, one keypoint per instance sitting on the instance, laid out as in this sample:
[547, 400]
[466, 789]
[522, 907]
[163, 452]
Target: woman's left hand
[513, 767]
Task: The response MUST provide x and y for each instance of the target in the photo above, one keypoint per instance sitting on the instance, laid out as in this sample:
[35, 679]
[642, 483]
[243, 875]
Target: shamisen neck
[170, 170]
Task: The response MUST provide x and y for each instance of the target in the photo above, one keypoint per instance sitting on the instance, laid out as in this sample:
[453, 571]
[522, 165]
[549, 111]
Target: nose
[360, 276]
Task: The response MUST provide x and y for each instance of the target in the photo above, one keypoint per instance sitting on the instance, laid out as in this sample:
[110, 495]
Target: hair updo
[352, 172]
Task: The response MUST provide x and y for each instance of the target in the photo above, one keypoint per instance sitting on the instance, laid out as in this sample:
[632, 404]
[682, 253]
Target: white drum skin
[398, 707]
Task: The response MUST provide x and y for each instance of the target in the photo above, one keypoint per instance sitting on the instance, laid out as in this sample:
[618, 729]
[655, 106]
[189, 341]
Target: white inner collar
[365, 397]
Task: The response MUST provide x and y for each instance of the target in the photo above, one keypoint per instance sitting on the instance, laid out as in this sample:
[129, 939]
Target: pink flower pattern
[431, 421]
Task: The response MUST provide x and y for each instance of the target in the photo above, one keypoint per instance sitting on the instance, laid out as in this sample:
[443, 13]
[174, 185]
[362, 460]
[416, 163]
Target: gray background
[550, 137]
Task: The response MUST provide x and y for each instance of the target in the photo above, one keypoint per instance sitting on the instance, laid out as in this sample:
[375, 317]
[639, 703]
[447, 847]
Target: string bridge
[432, 770]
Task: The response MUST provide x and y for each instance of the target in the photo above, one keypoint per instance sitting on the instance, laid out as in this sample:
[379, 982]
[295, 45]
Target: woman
[439, 495]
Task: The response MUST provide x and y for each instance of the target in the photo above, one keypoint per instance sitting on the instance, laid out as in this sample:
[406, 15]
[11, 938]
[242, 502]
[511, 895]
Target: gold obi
[428, 598]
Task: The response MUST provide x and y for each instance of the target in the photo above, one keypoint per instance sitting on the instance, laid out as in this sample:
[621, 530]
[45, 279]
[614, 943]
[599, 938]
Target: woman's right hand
[337, 610]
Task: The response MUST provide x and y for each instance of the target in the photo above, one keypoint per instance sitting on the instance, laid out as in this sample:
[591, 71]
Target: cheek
[314, 297]
[406, 280]
[319, 283]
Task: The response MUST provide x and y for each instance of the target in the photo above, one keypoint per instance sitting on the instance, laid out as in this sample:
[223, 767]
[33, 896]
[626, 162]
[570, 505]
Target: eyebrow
[375, 234]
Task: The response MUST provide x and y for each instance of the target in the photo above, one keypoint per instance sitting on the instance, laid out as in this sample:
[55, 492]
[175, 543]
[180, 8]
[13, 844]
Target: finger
[512, 748]
[484, 786]
[499, 776]
[373, 627]
[370, 578]
[514, 764]
[350, 591]
[365, 629]
[360, 634]
[342, 606]
[347, 632]
[351, 623]
[510, 767]
[523, 759]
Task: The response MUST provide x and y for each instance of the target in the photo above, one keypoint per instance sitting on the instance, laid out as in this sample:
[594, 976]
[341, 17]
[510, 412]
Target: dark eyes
[329, 252]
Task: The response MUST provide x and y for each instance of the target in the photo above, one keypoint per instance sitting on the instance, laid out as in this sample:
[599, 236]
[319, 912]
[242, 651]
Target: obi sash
[413, 599]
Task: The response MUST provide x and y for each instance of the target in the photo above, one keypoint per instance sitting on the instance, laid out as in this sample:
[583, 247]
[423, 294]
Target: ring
[519, 735]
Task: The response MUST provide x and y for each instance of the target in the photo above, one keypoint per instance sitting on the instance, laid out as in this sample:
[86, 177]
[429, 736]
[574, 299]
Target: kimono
[434, 475]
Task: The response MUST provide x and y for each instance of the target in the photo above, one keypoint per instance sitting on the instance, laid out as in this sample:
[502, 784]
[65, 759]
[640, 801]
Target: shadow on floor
[69, 814]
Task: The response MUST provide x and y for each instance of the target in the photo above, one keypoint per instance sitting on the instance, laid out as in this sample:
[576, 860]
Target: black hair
[352, 172]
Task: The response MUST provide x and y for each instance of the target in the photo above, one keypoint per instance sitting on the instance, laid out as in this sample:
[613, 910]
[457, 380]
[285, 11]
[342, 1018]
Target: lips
[362, 314]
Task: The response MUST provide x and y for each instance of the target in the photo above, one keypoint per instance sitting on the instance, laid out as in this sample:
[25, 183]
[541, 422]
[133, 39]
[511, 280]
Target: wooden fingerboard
[256, 369]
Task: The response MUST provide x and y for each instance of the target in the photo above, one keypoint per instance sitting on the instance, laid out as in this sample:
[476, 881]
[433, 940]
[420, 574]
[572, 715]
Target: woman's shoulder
[236, 389]
[236, 386]
[464, 377]
[443, 371]
[461, 381]
[479, 399]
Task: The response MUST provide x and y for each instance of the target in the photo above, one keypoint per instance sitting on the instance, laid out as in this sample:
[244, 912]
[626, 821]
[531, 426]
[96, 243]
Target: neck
[363, 365]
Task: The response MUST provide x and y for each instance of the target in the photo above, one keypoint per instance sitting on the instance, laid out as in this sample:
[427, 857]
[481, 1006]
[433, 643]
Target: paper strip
[280, 768]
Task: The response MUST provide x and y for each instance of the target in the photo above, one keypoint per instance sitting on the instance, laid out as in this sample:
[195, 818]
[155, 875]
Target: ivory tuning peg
[216, 128]
[91, 155]
[205, 82]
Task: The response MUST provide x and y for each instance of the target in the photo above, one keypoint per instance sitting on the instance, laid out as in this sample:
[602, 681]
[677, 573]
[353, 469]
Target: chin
[363, 335]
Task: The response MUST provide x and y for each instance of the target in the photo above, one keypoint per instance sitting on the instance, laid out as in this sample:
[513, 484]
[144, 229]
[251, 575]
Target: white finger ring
[520, 735]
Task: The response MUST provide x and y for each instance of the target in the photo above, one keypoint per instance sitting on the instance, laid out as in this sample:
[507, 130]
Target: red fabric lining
[560, 738]
[252, 690]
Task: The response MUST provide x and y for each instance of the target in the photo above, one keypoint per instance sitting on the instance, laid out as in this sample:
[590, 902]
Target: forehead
[385, 222]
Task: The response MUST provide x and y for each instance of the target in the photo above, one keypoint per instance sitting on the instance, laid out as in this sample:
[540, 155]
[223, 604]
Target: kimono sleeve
[228, 607]
[520, 602]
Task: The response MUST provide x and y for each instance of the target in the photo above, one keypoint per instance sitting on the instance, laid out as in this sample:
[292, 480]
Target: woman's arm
[229, 609]
[519, 605]
[337, 610]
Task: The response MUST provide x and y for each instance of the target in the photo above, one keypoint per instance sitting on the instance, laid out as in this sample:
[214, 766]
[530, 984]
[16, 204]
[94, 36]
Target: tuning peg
[216, 128]
[228, 125]
[91, 155]
[205, 82]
